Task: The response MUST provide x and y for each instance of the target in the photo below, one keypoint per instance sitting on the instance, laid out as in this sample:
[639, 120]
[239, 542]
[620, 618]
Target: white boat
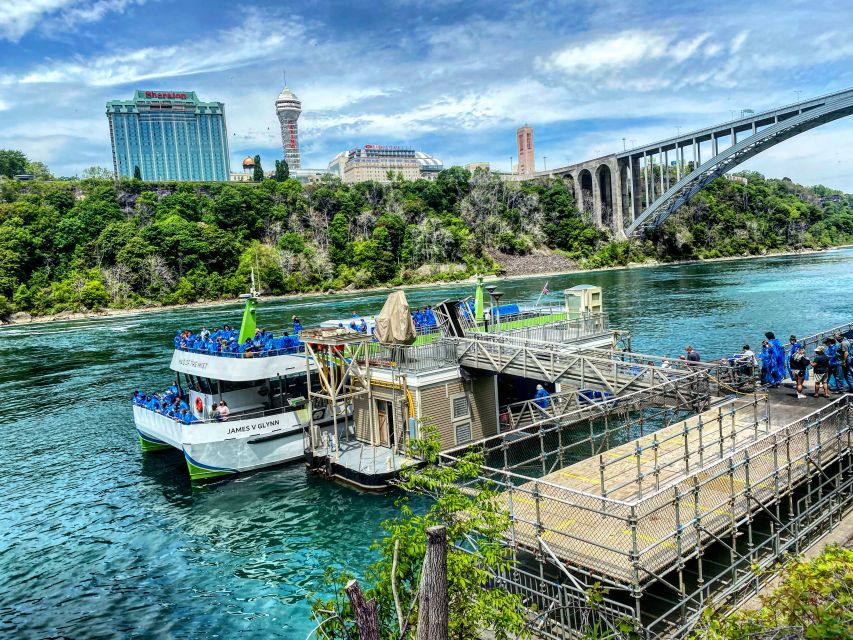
[266, 395]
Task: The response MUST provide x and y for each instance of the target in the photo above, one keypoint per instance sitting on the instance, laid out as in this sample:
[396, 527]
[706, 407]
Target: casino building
[169, 135]
[374, 161]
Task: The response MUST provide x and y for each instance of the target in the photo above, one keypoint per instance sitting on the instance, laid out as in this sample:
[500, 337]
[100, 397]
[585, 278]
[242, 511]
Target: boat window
[228, 385]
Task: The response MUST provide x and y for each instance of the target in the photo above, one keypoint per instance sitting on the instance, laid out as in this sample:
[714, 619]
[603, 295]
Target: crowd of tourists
[225, 341]
[172, 405]
[169, 404]
[831, 365]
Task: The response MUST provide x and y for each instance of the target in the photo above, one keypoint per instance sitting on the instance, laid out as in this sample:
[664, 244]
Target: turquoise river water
[99, 541]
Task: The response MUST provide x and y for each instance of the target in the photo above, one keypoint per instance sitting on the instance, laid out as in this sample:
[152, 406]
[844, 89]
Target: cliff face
[92, 243]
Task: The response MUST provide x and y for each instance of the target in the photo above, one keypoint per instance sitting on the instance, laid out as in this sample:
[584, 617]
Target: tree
[258, 171]
[12, 162]
[340, 250]
[39, 170]
[282, 171]
[470, 518]
[137, 173]
[98, 173]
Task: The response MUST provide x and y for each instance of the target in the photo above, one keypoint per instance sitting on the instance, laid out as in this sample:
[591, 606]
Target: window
[461, 407]
[463, 432]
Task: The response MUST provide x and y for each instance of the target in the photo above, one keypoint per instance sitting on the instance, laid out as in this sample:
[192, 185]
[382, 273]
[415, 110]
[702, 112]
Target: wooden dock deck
[655, 498]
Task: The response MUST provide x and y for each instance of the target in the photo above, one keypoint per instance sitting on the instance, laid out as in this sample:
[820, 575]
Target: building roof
[287, 99]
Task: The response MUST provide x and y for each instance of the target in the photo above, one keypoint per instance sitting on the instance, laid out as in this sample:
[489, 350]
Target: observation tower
[288, 107]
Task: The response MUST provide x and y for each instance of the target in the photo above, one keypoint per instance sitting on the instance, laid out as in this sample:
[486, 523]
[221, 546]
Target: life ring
[199, 405]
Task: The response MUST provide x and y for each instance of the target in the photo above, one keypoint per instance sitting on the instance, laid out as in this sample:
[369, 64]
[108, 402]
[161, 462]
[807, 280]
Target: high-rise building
[168, 135]
[374, 161]
[524, 140]
[288, 108]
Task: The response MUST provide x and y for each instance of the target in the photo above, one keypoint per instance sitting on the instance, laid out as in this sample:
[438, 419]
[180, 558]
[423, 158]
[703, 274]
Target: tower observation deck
[288, 107]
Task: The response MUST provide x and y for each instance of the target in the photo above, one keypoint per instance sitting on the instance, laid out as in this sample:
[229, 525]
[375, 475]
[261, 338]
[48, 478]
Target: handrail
[246, 355]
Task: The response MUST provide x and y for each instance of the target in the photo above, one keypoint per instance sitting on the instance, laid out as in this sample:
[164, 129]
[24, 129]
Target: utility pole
[623, 145]
[545, 162]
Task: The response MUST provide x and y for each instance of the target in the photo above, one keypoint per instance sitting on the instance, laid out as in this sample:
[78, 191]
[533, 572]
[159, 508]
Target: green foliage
[282, 171]
[39, 171]
[98, 173]
[12, 162]
[171, 242]
[94, 295]
[137, 173]
[816, 596]
[474, 603]
[258, 171]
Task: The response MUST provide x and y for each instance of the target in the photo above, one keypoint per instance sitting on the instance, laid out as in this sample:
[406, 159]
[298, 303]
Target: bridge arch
[700, 176]
[604, 204]
[569, 181]
[586, 203]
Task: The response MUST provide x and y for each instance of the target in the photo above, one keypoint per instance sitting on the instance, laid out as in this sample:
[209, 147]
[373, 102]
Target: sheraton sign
[170, 95]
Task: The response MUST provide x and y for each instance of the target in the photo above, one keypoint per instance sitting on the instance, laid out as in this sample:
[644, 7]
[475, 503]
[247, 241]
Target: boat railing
[422, 357]
[266, 353]
[236, 415]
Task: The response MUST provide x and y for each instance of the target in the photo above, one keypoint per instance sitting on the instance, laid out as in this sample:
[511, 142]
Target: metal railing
[413, 358]
[263, 353]
[700, 490]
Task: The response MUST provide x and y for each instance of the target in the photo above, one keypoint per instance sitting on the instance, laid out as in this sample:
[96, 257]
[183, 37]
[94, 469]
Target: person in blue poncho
[765, 357]
[778, 367]
[542, 397]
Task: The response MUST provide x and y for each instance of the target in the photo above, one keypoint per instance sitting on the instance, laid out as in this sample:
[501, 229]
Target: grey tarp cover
[394, 323]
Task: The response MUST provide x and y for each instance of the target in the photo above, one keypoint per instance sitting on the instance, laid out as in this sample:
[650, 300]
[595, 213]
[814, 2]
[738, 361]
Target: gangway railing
[557, 363]
[668, 496]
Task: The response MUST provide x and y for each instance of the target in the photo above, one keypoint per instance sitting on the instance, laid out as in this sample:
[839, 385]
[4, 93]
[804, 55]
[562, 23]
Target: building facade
[168, 135]
[524, 142]
[374, 162]
[288, 107]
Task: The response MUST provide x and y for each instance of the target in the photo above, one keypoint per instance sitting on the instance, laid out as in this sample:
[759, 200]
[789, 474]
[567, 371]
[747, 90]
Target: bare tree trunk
[432, 617]
[365, 612]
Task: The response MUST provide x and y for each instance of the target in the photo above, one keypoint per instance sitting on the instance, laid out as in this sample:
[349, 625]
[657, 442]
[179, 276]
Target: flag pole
[541, 292]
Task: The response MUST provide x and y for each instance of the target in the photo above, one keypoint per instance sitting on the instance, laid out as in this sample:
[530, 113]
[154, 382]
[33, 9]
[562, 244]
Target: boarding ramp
[557, 363]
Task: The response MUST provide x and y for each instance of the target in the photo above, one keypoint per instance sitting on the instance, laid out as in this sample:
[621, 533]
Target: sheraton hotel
[168, 135]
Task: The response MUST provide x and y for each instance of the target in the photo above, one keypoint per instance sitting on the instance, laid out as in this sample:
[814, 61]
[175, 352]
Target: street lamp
[545, 162]
[491, 290]
[497, 295]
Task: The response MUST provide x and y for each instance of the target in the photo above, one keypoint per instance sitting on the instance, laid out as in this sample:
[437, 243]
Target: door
[385, 420]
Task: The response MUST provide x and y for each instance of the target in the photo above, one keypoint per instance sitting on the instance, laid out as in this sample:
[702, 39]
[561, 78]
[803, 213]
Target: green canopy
[478, 299]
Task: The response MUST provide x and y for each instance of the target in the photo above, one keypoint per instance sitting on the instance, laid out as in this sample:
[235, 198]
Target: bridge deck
[688, 483]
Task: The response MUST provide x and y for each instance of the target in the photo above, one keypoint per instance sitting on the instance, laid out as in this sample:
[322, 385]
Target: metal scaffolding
[640, 513]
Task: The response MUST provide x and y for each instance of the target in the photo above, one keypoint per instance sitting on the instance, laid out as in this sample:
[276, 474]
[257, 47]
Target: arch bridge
[639, 188]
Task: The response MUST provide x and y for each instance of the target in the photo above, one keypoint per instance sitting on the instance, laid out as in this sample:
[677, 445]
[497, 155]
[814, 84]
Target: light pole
[624, 148]
[497, 296]
[798, 92]
[545, 162]
[491, 291]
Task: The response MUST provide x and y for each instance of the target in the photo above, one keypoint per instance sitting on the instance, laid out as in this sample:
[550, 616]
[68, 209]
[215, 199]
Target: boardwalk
[655, 497]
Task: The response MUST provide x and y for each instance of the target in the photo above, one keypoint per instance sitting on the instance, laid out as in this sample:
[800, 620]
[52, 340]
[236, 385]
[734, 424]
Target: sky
[454, 79]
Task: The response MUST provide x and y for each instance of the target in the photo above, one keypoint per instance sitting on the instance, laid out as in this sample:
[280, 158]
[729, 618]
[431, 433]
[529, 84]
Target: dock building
[168, 135]
[674, 485]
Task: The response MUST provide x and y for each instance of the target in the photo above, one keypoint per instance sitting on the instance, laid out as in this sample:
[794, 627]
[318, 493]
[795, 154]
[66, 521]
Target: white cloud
[18, 18]
[257, 38]
[626, 49]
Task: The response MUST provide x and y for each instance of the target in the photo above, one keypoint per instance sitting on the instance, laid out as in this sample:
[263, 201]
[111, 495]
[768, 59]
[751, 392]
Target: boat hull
[216, 449]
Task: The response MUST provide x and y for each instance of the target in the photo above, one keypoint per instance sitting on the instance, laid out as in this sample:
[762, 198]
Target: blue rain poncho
[542, 398]
[776, 372]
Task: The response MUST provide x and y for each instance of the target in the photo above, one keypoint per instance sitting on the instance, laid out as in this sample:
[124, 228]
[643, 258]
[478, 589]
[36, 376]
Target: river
[98, 541]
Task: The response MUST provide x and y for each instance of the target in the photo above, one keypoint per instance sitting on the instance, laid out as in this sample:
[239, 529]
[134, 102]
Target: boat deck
[681, 485]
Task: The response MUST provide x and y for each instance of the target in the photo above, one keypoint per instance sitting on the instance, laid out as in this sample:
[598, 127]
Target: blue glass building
[169, 135]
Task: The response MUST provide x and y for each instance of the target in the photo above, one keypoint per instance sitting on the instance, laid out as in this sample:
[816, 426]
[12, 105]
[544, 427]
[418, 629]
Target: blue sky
[451, 78]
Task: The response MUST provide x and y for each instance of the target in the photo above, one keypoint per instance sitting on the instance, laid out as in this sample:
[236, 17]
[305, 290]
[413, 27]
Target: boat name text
[257, 426]
[195, 364]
